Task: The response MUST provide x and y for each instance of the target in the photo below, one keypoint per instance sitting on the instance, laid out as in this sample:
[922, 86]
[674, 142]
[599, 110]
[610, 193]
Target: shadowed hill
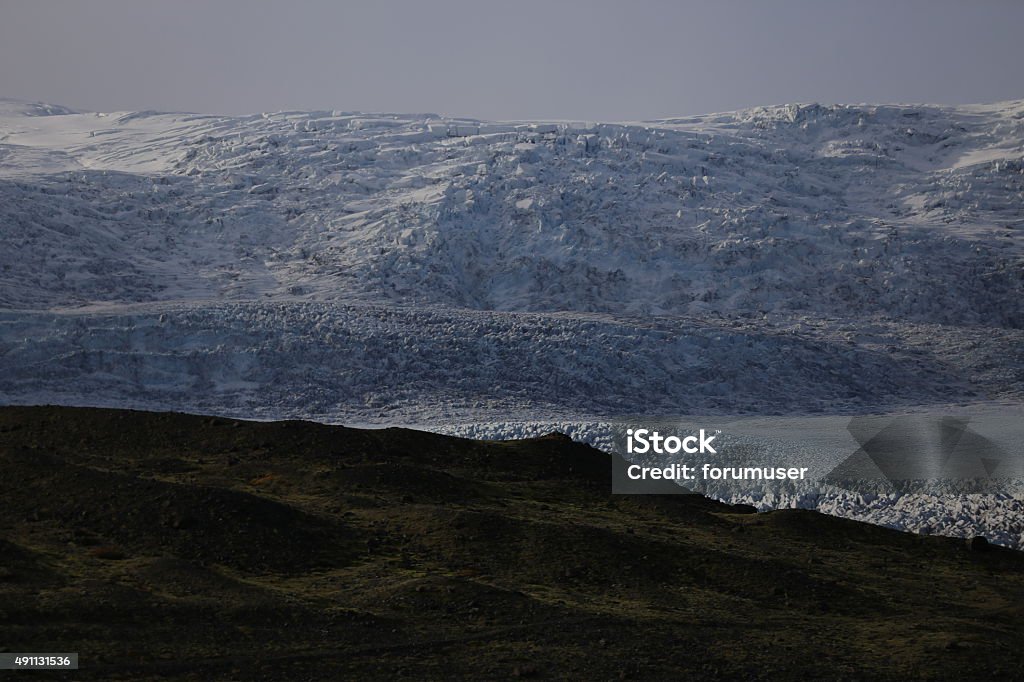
[189, 547]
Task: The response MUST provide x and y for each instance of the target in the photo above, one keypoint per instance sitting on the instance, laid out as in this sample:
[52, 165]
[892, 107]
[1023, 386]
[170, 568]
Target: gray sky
[577, 59]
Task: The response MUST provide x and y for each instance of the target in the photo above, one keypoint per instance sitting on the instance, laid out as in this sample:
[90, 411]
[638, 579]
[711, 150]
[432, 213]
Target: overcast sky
[557, 59]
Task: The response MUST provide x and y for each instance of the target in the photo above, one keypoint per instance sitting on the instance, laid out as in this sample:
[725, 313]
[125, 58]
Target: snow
[505, 278]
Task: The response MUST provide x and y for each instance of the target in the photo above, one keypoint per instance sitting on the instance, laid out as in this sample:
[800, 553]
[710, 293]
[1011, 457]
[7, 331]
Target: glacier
[500, 279]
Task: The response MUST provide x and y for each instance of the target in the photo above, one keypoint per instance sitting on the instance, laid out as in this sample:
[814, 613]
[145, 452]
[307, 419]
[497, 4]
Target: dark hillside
[190, 547]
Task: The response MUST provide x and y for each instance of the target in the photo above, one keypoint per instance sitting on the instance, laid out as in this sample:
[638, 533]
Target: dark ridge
[173, 546]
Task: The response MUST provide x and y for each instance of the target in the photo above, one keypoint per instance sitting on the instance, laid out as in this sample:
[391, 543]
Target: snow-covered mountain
[398, 266]
[446, 272]
[907, 212]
